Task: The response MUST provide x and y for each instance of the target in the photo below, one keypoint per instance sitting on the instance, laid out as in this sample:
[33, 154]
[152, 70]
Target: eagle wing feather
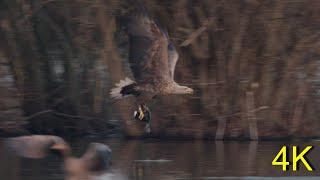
[148, 51]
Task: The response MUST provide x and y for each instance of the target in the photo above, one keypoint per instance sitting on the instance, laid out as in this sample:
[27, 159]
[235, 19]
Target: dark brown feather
[148, 53]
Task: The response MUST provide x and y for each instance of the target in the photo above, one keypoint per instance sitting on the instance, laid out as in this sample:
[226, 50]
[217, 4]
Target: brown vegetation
[251, 62]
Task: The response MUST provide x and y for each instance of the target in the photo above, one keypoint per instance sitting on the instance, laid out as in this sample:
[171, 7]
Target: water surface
[158, 160]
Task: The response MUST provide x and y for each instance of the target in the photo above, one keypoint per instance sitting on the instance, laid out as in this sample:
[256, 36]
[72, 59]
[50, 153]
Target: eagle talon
[153, 60]
[143, 114]
[139, 114]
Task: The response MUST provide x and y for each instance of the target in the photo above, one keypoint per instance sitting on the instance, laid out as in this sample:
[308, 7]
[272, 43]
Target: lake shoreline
[18, 131]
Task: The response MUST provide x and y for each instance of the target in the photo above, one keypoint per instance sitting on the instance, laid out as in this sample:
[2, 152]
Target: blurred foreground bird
[95, 161]
[152, 59]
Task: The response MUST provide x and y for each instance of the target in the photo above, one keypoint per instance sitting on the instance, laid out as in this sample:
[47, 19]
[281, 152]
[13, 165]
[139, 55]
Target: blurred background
[254, 66]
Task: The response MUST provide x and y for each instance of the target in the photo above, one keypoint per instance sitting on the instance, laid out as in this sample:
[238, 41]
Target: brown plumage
[152, 59]
[95, 161]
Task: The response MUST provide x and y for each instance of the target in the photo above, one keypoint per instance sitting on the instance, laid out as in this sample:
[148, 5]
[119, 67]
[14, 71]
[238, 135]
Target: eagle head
[188, 90]
[182, 90]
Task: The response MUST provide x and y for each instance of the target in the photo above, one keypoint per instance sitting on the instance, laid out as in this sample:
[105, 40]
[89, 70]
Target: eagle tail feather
[123, 89]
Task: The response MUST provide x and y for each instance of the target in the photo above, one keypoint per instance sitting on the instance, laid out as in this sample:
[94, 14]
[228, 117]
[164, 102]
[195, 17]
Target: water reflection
[150, 159]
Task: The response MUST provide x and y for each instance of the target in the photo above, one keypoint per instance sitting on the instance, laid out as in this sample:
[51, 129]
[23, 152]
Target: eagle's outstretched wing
[172, 59]
[148, 51]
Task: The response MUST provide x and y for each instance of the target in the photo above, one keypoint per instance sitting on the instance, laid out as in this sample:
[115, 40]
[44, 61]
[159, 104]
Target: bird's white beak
[190, 91]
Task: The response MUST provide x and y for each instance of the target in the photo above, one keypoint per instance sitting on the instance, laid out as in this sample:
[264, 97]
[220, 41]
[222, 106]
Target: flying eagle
[95, 161]
[152, 59]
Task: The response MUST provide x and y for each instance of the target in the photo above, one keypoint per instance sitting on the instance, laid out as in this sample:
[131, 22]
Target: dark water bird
[94, 162]
[152, 59]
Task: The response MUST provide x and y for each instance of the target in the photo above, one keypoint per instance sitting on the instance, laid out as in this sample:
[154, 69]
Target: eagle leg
[148, 119]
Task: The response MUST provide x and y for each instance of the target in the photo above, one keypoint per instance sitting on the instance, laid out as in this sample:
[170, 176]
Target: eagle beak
[191, 91]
